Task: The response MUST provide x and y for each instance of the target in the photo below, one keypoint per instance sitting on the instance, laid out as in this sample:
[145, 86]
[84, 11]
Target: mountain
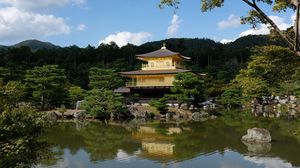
[35, 45]
[255, 40]
[3, 47]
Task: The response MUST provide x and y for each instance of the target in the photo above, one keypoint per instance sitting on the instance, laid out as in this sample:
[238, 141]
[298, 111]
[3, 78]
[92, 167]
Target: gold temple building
[157, 73]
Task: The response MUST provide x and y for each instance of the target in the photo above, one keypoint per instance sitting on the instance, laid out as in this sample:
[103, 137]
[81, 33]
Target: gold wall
[151, 80]
[162, 64]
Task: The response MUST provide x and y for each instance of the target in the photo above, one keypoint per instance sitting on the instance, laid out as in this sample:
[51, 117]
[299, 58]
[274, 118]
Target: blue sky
[83, 22]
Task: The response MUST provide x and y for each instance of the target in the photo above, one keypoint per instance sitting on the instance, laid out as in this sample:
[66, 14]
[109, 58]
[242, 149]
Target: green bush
[20, 143]
[160, 105]
[100, 103]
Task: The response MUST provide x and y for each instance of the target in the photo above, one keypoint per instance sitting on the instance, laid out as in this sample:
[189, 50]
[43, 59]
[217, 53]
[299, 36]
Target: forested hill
[3, 47]
[219, 60]
[34, 45]
[205, 52]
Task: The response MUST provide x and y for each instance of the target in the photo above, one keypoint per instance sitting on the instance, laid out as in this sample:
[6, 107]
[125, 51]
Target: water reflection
[271, 111]
[165, 144]
[269, 162]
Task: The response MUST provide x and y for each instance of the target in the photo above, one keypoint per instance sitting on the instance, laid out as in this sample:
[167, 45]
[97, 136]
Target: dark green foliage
[100, 103]
[291, 86]
[20, 145]
[4, 74]
[104, 79]
[270, 71]
[160, 105]
[232, 96]
[13, 92]
[47, 85]
[76, 93]
[188, 88]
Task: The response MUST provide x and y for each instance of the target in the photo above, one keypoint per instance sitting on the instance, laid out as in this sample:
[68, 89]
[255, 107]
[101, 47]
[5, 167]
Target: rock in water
[257, 135]
[51, 116]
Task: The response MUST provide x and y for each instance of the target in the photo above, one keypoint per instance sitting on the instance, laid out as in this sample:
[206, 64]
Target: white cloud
[31, 5]
[81, 27]
[79, 2]
[174, 26]
[269, 162]
[34, 4]
[17, 25]
[231, 22]
[225, 41]
[123, 38]
[264, 29]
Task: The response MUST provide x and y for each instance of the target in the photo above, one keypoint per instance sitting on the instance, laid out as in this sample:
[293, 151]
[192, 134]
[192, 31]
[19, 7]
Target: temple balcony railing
[156, 67]
[160, 67]
[147, 84]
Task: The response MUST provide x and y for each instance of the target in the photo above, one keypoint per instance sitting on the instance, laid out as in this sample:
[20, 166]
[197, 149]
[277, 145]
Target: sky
[91, 22]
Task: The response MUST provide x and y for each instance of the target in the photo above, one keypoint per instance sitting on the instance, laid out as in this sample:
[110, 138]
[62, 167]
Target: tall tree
[104, 79]
[188, 88]
[100, 103]
[257, 15]
[4, 75]
[47, 84]
[14, 92]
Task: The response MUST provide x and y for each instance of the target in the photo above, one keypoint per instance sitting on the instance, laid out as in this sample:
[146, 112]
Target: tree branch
[249, 3]
[296, 42]
[288, 40]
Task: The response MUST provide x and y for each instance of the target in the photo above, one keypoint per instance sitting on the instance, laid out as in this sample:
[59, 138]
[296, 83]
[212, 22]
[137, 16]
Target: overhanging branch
[288, 40]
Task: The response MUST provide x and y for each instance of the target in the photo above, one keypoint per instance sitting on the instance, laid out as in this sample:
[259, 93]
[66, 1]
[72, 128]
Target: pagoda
[157, 74]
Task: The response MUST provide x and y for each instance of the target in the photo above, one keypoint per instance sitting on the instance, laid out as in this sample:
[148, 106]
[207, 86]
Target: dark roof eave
[154, 72]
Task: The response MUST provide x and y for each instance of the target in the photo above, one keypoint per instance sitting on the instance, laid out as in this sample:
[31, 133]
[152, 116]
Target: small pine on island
[158, 72]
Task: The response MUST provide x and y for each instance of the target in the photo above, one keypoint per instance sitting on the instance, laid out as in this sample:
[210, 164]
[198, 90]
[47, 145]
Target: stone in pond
[257, 135]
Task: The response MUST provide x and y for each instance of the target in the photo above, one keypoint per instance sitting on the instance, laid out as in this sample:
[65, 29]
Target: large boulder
[257, 135]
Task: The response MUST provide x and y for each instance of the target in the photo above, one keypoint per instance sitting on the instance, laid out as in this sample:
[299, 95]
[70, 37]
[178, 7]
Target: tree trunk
[43, 98]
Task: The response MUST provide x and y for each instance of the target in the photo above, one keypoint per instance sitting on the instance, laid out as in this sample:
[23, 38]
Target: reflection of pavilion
[155, 145]
[158, 148]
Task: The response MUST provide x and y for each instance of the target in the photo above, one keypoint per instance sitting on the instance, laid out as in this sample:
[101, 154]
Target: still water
[140, 144]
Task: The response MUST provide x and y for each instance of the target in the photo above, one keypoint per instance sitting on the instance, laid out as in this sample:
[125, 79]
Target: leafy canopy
[104, 79]
[271, 70]
[100, 103]
[160, 105]
[188, 88]
[47, 84]
[20, 143]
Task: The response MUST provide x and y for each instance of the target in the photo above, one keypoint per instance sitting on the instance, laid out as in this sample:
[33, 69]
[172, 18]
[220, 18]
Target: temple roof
[154, 72]
[163, 52]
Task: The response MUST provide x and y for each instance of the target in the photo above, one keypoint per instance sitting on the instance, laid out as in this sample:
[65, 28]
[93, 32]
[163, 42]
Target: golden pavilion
[157, 74]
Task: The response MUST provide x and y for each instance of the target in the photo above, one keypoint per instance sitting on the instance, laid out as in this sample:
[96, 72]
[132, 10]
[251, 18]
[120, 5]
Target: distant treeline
[222, 61]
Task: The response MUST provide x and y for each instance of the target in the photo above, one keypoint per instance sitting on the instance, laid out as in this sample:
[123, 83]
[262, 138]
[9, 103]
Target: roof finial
[164, 46]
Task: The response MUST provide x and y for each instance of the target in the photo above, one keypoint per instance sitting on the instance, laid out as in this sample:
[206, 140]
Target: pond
[173, 144]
